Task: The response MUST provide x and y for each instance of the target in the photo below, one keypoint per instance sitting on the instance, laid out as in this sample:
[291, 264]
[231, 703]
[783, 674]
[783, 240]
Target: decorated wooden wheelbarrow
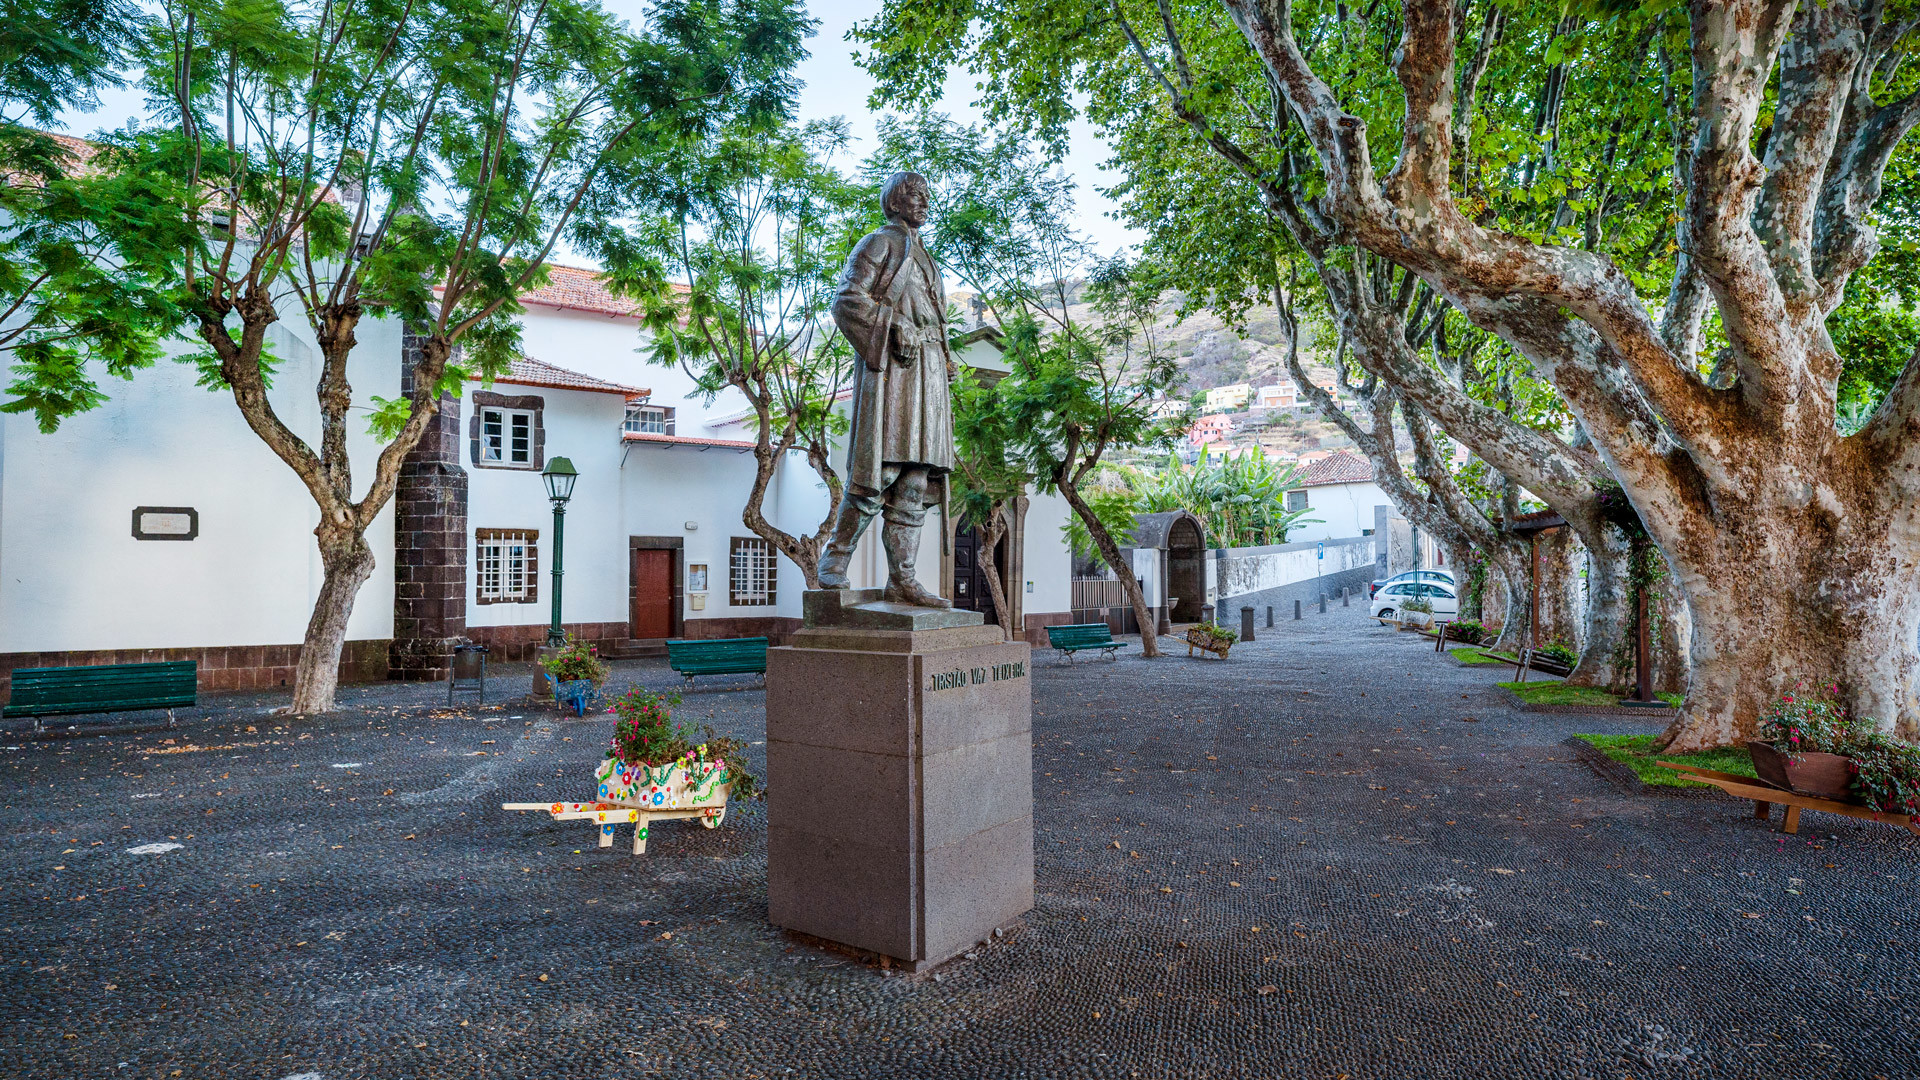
[641, 794]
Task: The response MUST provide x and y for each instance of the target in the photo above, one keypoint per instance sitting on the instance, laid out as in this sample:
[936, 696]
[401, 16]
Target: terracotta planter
[1825, 776]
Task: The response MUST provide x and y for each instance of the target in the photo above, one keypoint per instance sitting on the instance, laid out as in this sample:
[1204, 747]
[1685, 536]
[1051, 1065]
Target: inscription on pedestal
[958, 677]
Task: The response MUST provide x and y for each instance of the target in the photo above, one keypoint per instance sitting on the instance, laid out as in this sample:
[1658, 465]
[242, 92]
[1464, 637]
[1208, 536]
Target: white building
[160, 527]
[1339, 490]
[1277, 396]
[1229, 397]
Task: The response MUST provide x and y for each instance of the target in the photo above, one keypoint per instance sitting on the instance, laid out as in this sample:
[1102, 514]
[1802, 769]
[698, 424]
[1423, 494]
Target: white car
[1435, 574]
[1391, 598]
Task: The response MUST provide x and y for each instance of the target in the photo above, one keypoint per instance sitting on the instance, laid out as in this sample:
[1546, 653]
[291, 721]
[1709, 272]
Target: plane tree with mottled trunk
[416, 159]
[1793, 543]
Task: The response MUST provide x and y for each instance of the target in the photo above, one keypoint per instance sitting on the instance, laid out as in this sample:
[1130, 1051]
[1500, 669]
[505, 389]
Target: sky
[834, 86]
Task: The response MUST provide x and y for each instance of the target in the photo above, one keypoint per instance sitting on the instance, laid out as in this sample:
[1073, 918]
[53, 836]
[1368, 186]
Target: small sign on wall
[165, 523]
[697, 577]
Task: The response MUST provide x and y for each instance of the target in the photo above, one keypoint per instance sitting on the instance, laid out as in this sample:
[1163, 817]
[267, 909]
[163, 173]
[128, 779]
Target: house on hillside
[159, 527]
[1209, 430]
[1278, 396]
[1223, 398]
[1339, 490]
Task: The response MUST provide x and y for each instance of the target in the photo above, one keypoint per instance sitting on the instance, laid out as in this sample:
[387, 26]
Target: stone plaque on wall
[165, 523]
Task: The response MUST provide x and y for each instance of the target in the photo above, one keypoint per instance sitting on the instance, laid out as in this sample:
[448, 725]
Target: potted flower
[1466, 631]
[1212, 637]
[576, 672]
[1806, 741]
[657, 765]
[1886, 774]
[1417, 611]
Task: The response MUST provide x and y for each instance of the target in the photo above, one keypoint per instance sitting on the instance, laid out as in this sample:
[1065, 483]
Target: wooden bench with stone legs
[718, 656]
[1079, 637]
[1764, 795]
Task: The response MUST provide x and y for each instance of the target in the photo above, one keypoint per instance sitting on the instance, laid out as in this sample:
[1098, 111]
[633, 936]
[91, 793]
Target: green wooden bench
[718, 656]
[1081, 636]
[55, 691]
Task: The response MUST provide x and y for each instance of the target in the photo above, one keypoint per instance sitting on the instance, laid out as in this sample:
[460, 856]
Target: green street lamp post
[559, 476]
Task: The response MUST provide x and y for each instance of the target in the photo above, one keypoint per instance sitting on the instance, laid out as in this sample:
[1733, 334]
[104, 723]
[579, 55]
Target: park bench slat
[718, 656]
[103, 688]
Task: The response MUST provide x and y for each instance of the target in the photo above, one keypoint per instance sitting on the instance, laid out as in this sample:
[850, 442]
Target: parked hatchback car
[1391, 598]
[1443, 576]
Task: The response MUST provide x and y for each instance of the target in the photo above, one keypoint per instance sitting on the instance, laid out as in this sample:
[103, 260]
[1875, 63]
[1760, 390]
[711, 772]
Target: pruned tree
[419, 159]
[757, 223]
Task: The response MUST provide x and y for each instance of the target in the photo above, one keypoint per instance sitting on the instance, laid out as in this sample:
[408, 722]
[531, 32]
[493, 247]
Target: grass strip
[1475, 657]
[1636, 753]
[1538, 692]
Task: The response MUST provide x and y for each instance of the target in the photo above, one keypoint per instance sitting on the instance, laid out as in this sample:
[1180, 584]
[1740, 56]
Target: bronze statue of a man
[893, 310]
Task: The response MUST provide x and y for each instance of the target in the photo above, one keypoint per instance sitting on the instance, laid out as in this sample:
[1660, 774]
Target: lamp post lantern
[559, 476]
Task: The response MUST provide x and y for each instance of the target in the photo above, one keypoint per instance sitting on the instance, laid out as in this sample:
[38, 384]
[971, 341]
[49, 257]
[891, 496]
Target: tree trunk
[348, 562]
[988, 541]
[1516, 624]
[1782, 608]
[1110, 551]
[1608, 617]
[803, 551]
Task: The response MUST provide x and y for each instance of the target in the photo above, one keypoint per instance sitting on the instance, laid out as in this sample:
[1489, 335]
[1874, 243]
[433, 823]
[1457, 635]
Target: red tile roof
[687, 440]
[527, 371]
[1340, 468]
[572, 288]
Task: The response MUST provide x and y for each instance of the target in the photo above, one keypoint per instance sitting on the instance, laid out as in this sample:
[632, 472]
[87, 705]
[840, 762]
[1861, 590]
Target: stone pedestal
[899, 778]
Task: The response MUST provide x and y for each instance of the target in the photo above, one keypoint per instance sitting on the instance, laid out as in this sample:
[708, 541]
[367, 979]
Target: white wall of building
[584, 428]
[1343, 509]
[72, 576]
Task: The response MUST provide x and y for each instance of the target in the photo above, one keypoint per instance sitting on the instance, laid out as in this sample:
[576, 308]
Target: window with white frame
[649, 419]
[1296, 500]
[506, 566]
[750, 580]
[506, 437]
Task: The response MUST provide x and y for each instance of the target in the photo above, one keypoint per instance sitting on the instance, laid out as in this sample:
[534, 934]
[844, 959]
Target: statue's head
[905, 198]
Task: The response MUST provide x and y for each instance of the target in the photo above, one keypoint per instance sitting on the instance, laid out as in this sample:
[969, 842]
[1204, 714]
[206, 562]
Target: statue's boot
[903, 548]
[848, 525]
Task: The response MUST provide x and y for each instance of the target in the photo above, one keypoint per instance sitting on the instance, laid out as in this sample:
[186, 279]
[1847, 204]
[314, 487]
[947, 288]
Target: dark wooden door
[652, 593]
[969, 577]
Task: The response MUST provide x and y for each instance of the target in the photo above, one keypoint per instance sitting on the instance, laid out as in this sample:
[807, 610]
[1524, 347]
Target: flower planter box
[1197, 639]
[1824, 776]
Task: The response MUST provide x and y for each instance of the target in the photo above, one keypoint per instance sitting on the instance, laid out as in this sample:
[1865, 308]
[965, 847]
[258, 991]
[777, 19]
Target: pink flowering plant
[645, 734]
[1807, 720]
[577, 661]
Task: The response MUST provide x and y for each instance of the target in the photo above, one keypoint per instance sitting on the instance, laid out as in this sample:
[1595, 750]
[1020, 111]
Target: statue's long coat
[891, 305]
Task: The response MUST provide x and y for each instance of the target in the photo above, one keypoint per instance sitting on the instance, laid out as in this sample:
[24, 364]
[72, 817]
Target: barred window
[750, 581]
[506, 565]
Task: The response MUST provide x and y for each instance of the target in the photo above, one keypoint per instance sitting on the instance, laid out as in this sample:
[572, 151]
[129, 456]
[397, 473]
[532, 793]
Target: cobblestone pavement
[1333, 855]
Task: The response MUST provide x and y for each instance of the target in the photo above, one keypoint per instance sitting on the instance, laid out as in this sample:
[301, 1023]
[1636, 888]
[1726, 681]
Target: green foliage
[577, 661]
[85, 241]
[1467, 630]
[644, 733]
[1218, 633]
[1886, 774]
[1418, 605]
[757, 223]
[1240, 499]
[1561, 653]
[1475, 658]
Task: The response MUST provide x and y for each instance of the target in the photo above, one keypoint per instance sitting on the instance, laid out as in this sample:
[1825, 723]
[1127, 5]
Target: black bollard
[1246, 624]
[1296, 611]
[1323, 603]
[1269, 616]
[1345, 599]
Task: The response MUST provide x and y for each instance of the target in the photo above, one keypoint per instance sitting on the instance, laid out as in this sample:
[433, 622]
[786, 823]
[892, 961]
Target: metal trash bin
[469, 671]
